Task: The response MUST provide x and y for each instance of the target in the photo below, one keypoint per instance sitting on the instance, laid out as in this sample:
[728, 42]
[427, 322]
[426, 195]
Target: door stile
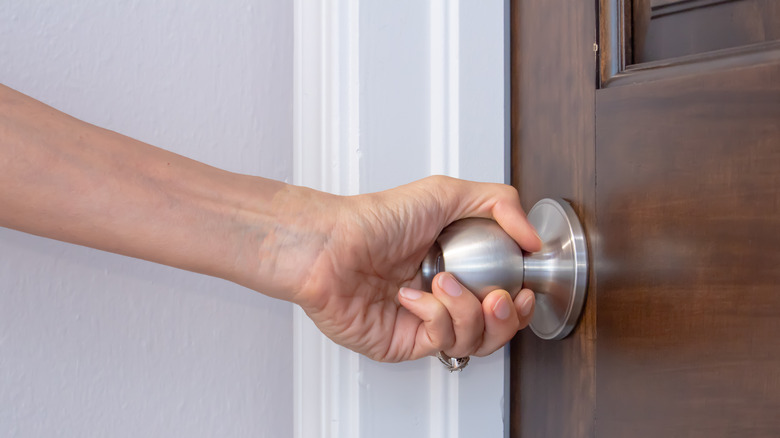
[554, 77]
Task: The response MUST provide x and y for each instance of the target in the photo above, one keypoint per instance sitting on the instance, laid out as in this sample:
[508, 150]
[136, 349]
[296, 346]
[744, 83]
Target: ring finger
[465, 312]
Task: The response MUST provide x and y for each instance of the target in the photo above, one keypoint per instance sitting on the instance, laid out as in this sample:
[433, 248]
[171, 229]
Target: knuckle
[438, 180]
[509, 192]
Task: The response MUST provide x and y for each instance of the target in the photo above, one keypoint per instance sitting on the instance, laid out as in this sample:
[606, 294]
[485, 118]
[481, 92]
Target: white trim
[444, 142]
[325, 157]
[348, 123]
[444, 87]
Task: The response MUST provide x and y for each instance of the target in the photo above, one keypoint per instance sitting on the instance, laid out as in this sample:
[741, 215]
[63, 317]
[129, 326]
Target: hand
[363, 288]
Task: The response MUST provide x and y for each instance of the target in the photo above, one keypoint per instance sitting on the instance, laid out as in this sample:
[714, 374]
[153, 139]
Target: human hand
[363, 288]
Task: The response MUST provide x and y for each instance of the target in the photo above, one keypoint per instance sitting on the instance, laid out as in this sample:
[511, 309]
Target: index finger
[500, 202]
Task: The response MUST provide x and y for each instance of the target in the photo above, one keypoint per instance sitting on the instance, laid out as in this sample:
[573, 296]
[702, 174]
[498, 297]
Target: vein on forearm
[68, 180]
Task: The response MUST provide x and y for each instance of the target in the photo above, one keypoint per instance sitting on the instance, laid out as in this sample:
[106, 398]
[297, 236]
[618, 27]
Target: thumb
[500, 202]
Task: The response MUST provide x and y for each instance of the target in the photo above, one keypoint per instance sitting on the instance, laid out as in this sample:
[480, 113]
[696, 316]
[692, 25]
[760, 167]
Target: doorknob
[483, 258]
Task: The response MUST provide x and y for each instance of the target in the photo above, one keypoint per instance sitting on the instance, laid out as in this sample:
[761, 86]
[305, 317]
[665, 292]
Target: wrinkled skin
[375, 247]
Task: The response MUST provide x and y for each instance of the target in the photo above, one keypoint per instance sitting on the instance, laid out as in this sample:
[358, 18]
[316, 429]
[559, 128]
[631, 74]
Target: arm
[343, 259]
[72, 181]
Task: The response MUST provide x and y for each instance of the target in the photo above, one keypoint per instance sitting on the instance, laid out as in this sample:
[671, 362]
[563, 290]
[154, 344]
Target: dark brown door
[660, 121]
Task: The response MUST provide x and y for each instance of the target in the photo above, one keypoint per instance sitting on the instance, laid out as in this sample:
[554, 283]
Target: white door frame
[386, 93]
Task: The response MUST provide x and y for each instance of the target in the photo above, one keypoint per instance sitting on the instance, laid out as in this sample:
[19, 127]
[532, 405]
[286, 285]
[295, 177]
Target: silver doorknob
[483, 258]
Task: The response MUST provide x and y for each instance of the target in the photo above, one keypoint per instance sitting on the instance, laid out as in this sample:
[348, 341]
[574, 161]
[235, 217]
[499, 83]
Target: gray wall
[95, 344]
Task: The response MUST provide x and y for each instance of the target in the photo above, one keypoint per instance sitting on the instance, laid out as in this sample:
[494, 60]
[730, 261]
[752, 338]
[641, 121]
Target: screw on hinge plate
[596, 47]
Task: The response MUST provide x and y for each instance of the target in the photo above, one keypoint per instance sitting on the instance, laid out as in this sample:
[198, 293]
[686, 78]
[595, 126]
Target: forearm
[68, 180]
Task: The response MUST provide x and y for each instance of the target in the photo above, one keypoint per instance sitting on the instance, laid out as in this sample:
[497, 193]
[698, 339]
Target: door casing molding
[447, 114]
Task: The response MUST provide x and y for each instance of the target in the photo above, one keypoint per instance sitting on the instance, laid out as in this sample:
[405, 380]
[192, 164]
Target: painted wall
[95, 344]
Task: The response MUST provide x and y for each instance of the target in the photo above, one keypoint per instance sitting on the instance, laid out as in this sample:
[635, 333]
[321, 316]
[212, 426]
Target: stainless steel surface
[484, 258]
[432, 265]
[453, 363]
[480, 255]
[558, 274]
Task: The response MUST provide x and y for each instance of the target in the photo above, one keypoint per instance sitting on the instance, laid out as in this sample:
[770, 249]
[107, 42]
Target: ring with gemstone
[452, 363]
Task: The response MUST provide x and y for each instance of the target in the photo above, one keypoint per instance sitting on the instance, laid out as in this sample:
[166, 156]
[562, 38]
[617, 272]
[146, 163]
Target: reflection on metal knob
[484, 258]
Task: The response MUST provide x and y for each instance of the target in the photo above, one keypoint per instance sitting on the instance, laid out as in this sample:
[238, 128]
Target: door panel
[674, 169]
[664, 29]
[688, 208]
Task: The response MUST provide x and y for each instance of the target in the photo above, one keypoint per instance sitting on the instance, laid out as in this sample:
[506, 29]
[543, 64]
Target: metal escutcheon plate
[558, 274]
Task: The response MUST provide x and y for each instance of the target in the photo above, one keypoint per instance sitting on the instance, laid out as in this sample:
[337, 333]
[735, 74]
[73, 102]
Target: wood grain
[553, 84]
[616, 34]
[674, 169]
[688, 210]
[684, 28]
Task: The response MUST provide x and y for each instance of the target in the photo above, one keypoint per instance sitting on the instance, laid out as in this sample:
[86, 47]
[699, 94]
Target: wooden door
[663, 130]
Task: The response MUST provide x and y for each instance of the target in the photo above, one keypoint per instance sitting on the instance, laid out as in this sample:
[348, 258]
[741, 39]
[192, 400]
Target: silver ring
[452, 363]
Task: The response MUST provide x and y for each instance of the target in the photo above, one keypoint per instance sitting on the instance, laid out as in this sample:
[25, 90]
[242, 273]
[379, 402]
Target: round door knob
[483, 258]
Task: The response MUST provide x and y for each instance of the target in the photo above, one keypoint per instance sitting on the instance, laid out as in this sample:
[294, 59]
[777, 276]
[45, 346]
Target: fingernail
[409, 294]
[527, 306]
[448, 283]
[536, 232]
[501, 308]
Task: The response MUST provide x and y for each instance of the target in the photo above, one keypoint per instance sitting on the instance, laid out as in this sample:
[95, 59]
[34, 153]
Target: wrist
[280, 232]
